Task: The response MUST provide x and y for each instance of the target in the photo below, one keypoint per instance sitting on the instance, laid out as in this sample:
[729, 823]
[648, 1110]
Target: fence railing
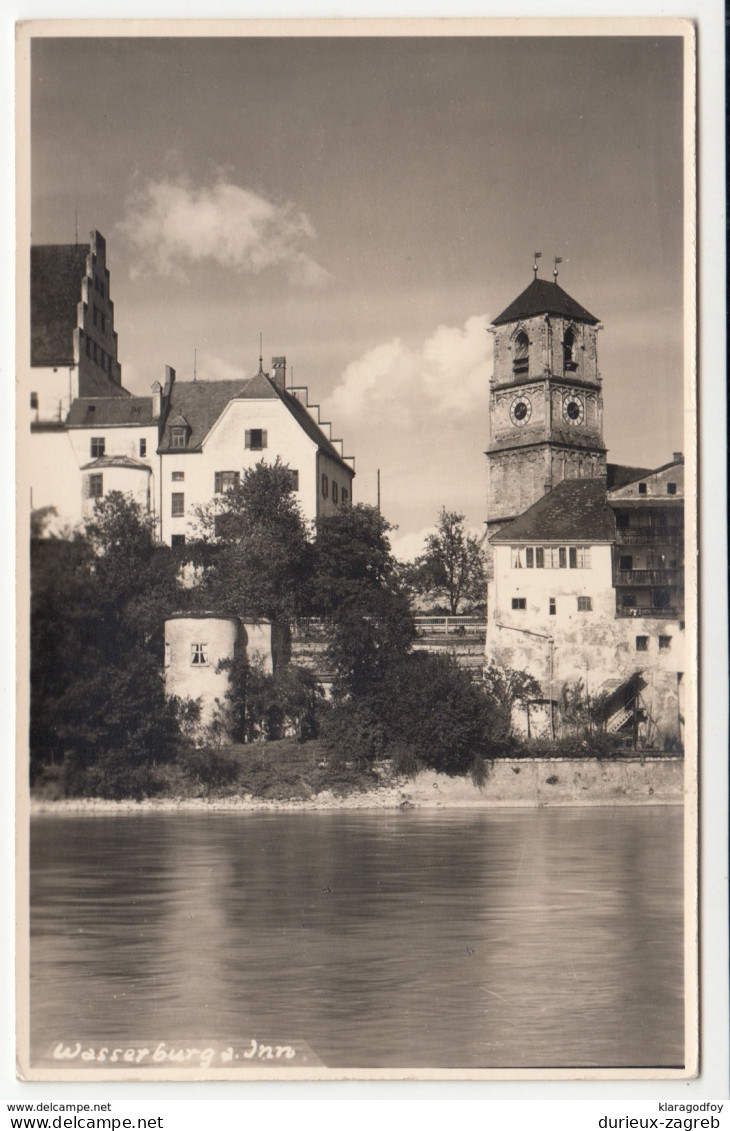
[450, 626]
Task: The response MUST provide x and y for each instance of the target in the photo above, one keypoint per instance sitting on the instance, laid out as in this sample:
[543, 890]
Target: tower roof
[544, 297]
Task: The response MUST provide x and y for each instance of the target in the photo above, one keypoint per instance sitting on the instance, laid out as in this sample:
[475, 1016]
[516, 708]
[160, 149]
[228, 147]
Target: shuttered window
[256, 439]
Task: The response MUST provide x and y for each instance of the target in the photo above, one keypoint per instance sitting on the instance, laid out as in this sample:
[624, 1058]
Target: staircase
[617, 720]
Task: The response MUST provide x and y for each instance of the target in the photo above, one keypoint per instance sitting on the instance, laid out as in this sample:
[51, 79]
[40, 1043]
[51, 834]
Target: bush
[210, 769]
[352, 731]
[112, 777]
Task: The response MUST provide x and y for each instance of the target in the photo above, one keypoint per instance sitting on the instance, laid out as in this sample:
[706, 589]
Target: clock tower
[545, 403]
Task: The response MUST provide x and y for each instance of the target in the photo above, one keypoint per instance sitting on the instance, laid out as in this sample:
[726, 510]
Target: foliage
[113, 776]
[263, 705]
[579, 712]
[213, 770]
[255, 548]
[353, 731]
[507, 687]
[452, 567]
[356, 585]
[98, 606]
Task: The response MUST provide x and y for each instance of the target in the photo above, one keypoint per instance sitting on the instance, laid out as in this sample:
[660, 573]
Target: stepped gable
[310, 426]
[56, 274]
[106, 412]
[574, 511]
[544, 297]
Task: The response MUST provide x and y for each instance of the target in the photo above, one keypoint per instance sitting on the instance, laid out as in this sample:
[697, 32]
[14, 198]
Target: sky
[367, 205]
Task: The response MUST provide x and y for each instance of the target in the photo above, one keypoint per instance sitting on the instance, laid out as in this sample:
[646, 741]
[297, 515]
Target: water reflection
[521, 938]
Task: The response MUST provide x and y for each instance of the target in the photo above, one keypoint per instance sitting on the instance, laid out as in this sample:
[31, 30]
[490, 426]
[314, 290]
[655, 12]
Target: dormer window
[179, 437]
[569, 363]
[521, 358]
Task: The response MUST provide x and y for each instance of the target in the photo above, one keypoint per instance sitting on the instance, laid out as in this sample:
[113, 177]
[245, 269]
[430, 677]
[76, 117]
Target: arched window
[569, 363]
[521, 358]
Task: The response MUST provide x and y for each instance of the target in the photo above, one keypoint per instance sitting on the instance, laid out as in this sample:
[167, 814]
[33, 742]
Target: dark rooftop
[56, 271]
[106, 412]
[618, 475]
[544, 297]
[574, 511]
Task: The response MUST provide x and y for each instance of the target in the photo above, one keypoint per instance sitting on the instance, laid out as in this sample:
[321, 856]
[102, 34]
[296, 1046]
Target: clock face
[520, 411]
[573, 410]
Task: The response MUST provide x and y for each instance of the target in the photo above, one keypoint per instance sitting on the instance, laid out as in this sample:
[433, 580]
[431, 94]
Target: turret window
[521, 356]
[569, 363]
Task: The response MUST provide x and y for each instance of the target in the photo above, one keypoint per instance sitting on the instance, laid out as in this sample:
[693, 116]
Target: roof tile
[544, 297]
[575, 510]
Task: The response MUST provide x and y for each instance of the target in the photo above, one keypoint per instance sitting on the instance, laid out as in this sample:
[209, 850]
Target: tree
[452, 566]
[254, 547]
[356, 586]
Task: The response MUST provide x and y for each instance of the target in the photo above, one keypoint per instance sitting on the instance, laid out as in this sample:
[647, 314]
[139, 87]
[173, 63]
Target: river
[515, 938]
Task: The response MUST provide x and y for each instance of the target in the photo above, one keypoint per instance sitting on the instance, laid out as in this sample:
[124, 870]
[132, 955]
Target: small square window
[325, 487]
[199, 655]
[671, 488]
[178, 476]
[519, 602]
[177, 540]
[585, 604]
[552, 609]
[143, 447]
[96, 486]
[642, 488]
[628, 600]
[97, 446]
[625, 561]
[178, 504]
[665, 642]
[256, 439]
[642, 643]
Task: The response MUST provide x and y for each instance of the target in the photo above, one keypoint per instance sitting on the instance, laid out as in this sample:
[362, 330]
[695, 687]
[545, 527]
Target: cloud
[408, 546]
[210, 367]
[418, 413]
[446, 374]
[173, 224]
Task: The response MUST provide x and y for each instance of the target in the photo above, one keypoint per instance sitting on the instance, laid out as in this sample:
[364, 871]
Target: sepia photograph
[357, 550]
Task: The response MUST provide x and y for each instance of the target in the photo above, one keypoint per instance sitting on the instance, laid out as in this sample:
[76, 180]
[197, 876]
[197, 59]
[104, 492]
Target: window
[539, 557]
[625, 561]
[671, 488]
[102, 359]
[143, 447]
[199, 655]
[569, 363]
[529, 557]
[345, 495]
[179, 436]
[642, 488]
[552, 609]
[226, 481]
[325, 486]
[178, 504]
[102, 322]
[34, 400]
[96, 351]
[642, 643]
[665, 642]
[585, 604]
[521, 357]
[660, 598]
[519, 602]
[294, 480]
[96, 486]
[256, 439]
[562, 555]
[178, 476]
[579, 557]
[168, 654]
[516, 558]
[335, 493]
[97, 446]
[628, 600]
[177, 541]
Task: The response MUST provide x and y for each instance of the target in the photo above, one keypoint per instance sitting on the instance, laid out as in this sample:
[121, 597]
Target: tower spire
[261, 353]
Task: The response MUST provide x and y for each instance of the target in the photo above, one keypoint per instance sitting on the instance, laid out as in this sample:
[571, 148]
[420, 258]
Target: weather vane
[555, 268]
[538, 255]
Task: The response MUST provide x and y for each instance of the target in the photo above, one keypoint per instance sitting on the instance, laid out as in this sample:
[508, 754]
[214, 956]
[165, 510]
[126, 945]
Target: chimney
[678, 457]
[278, 367]
[156, 400]
[169, 380]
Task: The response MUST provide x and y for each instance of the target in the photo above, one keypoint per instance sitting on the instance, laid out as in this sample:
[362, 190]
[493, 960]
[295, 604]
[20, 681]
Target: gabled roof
[544, 297]
[202, 402]
[618, 474]
[56, 271]
[574, 511]
[107, 412]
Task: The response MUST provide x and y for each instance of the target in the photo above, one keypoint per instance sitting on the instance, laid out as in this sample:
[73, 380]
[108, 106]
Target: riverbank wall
[518, 783]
